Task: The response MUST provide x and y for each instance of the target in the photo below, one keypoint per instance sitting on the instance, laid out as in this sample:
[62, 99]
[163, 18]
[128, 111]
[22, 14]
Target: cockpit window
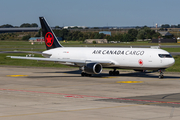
[165, 55]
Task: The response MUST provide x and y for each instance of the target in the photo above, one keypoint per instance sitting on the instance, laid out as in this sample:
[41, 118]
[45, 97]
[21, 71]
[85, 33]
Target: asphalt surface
[54, 94]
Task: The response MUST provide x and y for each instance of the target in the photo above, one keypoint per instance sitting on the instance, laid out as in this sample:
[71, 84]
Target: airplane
[91, 60]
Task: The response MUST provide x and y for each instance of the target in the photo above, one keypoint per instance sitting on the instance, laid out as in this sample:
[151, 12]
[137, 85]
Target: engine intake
[93, 68]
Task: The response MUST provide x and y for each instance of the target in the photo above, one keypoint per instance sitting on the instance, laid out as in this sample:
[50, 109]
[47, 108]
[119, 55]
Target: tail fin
[50, 39]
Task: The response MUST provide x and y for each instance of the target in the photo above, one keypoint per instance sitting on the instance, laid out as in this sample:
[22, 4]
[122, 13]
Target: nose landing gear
[161, 76]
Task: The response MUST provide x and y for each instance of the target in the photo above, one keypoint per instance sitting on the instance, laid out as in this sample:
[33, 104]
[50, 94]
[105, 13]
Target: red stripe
[82, 96]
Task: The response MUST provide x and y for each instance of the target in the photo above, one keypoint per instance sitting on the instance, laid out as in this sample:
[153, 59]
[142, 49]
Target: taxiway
[47, 93]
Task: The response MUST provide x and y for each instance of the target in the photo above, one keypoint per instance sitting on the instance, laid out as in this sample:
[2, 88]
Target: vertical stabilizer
[50, 39]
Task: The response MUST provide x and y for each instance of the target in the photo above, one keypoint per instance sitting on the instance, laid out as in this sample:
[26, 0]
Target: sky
[91, 13]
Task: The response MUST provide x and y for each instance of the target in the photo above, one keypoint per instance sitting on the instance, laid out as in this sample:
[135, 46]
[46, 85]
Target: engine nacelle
[93, 68]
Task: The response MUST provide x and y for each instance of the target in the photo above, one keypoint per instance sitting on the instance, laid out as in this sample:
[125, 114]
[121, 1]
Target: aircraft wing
[66, 61]
[30, 52]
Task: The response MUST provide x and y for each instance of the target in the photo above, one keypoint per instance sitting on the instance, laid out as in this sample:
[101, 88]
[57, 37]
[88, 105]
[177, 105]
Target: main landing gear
[161, 74]
[114, 72]
[83, 74]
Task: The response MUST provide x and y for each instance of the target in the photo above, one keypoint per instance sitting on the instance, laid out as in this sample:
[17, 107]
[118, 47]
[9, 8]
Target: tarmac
[62, 94]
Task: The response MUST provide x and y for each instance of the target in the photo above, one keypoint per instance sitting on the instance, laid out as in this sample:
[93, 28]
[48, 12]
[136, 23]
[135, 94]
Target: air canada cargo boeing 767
[91, 60]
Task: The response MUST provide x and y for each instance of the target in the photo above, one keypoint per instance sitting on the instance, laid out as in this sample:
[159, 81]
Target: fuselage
[126, 58]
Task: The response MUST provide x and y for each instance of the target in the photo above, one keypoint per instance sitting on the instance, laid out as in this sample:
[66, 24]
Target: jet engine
[92, 68]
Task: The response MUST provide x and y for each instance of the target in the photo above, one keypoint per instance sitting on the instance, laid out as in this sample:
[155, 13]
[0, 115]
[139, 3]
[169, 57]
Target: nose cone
[171, 62]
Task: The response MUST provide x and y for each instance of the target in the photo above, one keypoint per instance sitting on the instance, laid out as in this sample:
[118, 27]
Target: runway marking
[16, 75]
[87, 96]
[129, 82]
[72, 96]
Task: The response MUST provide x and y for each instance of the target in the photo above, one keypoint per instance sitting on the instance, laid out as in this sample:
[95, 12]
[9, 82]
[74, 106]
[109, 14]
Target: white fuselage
[132, 58]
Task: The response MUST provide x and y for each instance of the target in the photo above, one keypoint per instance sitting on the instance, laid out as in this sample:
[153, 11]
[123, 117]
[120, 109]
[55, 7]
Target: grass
[172, 49]
[26, 46]
[6, 61]
[176, 66]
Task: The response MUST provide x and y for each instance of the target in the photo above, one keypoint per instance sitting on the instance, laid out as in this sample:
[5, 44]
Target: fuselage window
[165, 55]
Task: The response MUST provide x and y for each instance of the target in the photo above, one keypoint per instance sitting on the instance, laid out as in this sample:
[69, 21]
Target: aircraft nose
[171, 62]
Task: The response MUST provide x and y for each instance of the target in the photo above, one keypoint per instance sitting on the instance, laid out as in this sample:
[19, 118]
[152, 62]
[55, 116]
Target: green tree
[57, 27]
[141, 34]
[26, 37]
[39, 33]
[85, 36]
[76, 27]
[165, 26]
[94, 42]
[101, 36]
[75, 35]
[29, 25]
[65, 33]
[91, 36]
[62, 33]
[6, 26]
[95, 28]
[133, 34]
[147, 33]
[96, 36]
[25, 25]
[34, 25]
[80, 35]
[109, 38]
[126, 37]
[156, 35]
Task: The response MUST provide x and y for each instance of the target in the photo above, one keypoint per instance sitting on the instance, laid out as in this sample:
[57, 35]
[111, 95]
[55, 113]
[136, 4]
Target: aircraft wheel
[110, 72]
[113, 72]
[83, 74]
[161, 76]
[89, 75]
[116, 72]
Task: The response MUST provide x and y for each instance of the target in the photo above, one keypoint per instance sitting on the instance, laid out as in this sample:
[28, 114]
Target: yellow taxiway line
[16, 75]
[129, 81]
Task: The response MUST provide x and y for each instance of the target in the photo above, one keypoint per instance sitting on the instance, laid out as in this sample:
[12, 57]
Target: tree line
[22, 25]
[170, 26]
[130, 36]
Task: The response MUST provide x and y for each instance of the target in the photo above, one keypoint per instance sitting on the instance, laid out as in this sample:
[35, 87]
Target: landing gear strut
[114, 72]
[161, 74]
[83, 74]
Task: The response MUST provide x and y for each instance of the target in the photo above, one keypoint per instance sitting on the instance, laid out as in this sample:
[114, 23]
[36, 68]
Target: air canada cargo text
[118, 52]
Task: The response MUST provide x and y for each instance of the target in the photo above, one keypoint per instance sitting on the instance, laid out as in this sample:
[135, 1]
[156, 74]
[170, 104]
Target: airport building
[36, 39]
[105, 32]
[41, 39]
[166, 38]
[165, 33]
[11, 30]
